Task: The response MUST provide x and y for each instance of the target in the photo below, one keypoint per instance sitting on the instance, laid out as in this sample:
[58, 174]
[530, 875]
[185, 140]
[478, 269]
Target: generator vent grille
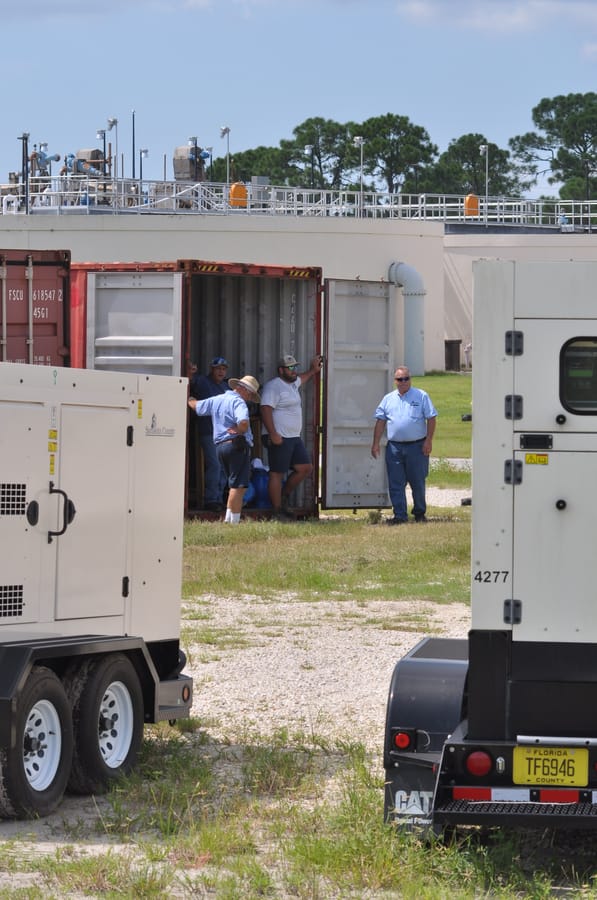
[11, 600]
[12, 499]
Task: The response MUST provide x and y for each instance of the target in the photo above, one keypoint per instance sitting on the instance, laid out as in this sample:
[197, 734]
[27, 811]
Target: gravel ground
[322, 667]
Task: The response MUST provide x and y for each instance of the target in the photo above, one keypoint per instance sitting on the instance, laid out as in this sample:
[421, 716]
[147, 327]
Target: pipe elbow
[407, 278]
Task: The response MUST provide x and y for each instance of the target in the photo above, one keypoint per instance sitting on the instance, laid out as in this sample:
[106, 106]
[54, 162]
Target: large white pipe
[413, 291]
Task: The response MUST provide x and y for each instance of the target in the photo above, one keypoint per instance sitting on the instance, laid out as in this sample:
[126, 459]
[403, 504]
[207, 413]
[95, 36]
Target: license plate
[565, 766]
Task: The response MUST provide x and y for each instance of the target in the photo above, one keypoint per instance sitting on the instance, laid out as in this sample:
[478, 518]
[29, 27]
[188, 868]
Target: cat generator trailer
[501, 729]
[91, 518]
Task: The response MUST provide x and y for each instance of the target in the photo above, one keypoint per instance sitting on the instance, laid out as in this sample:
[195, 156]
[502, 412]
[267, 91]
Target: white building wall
[461, 250]
[344, 248]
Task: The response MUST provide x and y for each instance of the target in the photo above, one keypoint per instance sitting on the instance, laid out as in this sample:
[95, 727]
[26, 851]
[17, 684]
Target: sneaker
[395, 521]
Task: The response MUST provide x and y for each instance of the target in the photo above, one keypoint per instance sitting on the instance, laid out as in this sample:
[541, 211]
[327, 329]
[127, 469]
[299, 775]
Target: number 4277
[492, 576]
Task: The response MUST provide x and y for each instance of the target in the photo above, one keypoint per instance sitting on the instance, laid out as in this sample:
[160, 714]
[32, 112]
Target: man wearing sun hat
[282, 416]
[202, 387]
[232, 436]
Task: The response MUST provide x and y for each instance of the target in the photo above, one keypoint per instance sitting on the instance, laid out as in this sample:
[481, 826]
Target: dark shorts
[290, 453]
[235, 460]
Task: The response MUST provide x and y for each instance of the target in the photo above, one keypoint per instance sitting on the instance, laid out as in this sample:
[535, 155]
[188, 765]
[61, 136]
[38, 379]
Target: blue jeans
[215, 478]
[406, 464]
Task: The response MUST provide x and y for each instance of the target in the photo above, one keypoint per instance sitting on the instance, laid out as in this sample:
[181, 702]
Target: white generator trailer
[501, 729]
[91, 519]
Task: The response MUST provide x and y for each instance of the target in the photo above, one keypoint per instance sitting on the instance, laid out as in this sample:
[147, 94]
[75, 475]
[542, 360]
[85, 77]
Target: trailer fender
[426, 702]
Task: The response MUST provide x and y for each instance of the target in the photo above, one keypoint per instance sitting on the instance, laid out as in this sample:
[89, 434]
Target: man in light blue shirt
[232, 436]
[410, 417]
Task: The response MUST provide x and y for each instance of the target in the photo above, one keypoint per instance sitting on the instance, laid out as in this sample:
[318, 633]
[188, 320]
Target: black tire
[108, 716]
[34, 773]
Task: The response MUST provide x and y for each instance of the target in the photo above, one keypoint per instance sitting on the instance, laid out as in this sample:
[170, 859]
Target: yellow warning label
[139, 408]
[536, 459]
[52, 464]
[53, 434]
[52, 447]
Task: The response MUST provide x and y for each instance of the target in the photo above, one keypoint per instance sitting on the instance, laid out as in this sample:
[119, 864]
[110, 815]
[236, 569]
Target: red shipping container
[34, 306]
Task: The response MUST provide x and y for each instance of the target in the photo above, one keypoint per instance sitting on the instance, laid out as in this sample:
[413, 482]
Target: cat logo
[414, 804]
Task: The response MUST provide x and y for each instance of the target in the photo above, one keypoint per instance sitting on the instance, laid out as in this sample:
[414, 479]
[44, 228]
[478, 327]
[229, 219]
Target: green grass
[345, 557]
[452, 397]
[288, 817]
[444, 474]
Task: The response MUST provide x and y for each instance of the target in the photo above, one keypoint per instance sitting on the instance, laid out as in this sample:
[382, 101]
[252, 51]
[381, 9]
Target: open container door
[359, 333]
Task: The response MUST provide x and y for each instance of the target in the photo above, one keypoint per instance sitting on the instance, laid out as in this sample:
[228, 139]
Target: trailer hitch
[69, 512]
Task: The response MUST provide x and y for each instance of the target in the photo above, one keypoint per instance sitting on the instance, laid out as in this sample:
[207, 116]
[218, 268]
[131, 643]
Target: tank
[238, 194]
[471, 205]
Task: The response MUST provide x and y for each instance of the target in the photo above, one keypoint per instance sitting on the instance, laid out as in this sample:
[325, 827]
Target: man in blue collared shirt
[232, 436]
[410, 418]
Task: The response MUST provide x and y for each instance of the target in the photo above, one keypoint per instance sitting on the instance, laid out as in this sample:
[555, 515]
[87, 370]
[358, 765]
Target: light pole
[193, 145]
[25, 167]
[113, 124]
[101, 136]
[484, 151]
[358, 141]
[225, 132]
[143, 154]
[309, 148]
[133, 115]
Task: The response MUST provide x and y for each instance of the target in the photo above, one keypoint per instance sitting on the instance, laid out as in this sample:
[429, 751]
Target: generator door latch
[513, 471]
[512, 612]
[513, 406]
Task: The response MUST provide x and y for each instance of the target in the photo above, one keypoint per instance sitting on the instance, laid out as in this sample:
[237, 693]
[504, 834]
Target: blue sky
[261, 67]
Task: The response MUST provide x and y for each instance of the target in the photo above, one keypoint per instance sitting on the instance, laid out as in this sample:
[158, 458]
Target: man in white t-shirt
[282, 417]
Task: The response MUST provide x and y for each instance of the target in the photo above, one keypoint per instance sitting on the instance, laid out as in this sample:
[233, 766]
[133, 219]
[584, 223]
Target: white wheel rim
[42, 745]
[116, 724]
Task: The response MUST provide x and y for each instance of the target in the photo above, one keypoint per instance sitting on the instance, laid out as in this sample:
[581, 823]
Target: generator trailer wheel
[34, 773]
[108, 716]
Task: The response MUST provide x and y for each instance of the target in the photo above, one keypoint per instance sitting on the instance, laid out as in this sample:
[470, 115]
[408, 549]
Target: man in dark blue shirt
[202, 387]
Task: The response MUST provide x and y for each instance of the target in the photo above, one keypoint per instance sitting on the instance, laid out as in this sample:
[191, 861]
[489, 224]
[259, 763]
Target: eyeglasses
[291, 368]
[407, 378]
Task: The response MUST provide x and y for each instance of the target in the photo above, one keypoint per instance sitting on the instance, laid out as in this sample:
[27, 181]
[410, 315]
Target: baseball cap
[287, 360]
[218, 361]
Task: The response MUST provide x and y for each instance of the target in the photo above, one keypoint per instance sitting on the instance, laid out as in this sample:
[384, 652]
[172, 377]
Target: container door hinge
[512, 612]
[514, 343]
[129, 435]
[125, 586]
[513, 406]
[513, 471]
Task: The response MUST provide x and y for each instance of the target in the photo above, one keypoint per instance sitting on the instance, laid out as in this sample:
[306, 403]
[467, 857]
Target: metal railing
[93, 195]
